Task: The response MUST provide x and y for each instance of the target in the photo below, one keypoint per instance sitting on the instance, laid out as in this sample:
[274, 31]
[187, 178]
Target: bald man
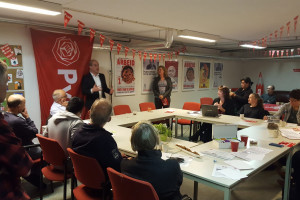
[60, 101]
[94, 141]
[24, 128]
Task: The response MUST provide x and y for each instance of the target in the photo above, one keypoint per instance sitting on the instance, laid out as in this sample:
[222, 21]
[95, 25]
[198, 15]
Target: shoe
[186, 197]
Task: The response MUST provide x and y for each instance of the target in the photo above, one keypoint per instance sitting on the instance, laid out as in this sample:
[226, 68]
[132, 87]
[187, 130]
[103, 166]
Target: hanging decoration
[292, 52]
[140, 55]
[270, 53]
[102, 38]
[295, 23]
[133, 53]
[119, 46]
[260, 85]
[80, 26]
[67, 18]
[145, 56]
[270, 38]
[154, 57]
[288, 28]
[92, 34]
[277, 53]
[282, 52]
[164, 55]
[159, 57]
[126, 51]
[281, 31]
[273, 52]
[111, 43]
[275, 34]
[150, 55]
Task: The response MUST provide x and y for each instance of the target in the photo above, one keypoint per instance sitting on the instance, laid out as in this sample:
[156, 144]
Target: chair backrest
[87, 170]
[144, 106]
[193, 106]
[125, 187]
[206, 101]
[121, 109]
[52, 151]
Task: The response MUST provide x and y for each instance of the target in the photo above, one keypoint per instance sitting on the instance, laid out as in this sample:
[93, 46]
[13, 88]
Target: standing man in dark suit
[94, 85]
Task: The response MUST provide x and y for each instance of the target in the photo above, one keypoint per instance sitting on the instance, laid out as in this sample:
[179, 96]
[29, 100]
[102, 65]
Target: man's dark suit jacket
[87, 84]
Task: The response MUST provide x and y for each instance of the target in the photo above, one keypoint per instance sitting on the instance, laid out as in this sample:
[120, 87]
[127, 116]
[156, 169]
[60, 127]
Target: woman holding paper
[162, 88]
[224, 102]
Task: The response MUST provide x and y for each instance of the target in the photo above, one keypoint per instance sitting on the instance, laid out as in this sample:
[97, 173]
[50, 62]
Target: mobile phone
[276, 145]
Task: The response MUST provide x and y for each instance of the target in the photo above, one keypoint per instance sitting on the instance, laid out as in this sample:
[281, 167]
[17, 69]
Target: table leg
[287, 178]
[227, 194]
[195, 190]
[176, 127]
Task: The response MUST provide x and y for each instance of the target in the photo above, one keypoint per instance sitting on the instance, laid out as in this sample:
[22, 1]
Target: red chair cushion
[184, 121]
[54, 174]
[84, 193]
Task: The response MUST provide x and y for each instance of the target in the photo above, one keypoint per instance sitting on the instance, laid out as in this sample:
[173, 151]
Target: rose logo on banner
[65, 51]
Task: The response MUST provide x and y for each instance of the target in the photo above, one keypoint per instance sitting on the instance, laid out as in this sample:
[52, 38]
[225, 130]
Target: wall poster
[204, 75]
[148, 73]
[189, 72]
[218, 75]
[172, 68]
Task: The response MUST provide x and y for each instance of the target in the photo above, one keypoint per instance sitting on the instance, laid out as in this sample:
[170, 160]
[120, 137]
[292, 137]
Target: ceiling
[139, 21]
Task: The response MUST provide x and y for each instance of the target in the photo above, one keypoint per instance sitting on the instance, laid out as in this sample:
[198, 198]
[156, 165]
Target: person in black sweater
[241, 96]
[255, 108]
[224, 101]
[164, 175]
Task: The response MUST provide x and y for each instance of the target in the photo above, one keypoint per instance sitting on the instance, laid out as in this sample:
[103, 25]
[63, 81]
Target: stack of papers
[239, 164]
[253, 153]
[226, 171]
[291, 134]
[186, 159]
[219, 154]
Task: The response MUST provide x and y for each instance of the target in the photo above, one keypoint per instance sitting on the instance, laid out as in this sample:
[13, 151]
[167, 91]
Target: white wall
[275, 72]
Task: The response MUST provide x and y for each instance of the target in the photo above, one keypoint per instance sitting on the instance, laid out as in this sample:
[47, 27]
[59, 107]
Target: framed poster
[218, 74]
[204, 75]
[148, 73]
[189, 74]
[172, 68]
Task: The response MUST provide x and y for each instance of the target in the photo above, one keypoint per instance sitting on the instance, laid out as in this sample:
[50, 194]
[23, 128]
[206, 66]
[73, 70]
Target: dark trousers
[296, 175]
[159, 105]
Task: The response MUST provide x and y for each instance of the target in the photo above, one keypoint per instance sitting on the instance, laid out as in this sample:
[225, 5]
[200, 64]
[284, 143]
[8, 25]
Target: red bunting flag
[172, 55]
[145, 56]
[288, 28]
[67, 17]
[169, 56]
[119, 46]
[275, 34]
[281, 31]
[159, 57]
[177, 53]
[150, 55]
[154, 57]
[270, 53]
[80, 26]
[295, 23]
[102, 38]
[273, 52]
[270, 38]
[292, 52]
[287, 52]
[126, 50]
[140, 55]
[133, 53]
[277, 53]
[111, 43]
[282, 52]
[266, 40]
[92, 34]
[183, 49]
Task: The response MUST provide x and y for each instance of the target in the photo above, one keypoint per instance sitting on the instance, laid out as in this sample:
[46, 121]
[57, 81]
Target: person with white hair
[60, 101]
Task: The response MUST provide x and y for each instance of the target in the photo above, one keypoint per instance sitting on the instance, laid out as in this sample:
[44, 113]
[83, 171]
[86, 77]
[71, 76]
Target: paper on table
[186, 162]
[238, 164]
[253, 153]
[232, 173]
[218, 168]
[290, 133]
[218, 154]
[194, 113]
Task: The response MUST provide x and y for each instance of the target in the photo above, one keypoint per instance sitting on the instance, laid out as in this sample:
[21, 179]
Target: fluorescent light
[251, 46]
[193, 35]
[22, 7]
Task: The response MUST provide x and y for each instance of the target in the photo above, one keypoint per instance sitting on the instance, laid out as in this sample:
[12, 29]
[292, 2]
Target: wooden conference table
[200, 169]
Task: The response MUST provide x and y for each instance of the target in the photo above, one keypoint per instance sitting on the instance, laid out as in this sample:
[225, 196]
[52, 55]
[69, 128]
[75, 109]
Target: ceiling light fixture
[251, 46]
[193, 35]
[33, 6]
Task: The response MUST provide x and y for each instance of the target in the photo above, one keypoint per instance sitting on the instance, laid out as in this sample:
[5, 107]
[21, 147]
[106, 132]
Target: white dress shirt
[98, 83]
[56, 107]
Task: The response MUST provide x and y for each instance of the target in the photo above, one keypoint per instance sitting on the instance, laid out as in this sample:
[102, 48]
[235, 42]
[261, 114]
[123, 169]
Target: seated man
[60, 101]
[94, 141]
[270, 97]
[62, 126]
[164, 175]
[14, 161]
[25, 129]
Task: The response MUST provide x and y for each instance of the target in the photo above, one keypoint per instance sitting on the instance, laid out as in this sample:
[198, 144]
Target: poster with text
[149, 72]
[204, 75]
[124, 76]
[172, 68]
[218, 75]
[189, 68]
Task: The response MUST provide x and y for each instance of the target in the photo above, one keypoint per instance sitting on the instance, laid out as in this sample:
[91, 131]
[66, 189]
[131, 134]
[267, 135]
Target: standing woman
[162, 88]
[255, 108]
[224, 101]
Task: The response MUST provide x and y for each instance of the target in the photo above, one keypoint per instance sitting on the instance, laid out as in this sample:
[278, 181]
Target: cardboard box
[223, 134]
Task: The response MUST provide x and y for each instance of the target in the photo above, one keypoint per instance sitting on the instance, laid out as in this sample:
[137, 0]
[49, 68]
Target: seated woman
[164, 175]
[255, 108]
[224, 102]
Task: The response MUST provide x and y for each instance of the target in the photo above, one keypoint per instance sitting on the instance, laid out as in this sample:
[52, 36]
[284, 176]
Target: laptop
[210, 111]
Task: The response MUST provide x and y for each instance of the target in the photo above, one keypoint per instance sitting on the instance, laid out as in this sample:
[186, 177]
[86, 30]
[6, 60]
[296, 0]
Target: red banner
[67, 17]
[61, 61]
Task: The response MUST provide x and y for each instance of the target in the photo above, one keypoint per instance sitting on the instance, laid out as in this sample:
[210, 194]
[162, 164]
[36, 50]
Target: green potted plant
[164, 132]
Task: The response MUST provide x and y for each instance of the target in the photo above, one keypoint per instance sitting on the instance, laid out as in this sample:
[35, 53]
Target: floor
[263, 186]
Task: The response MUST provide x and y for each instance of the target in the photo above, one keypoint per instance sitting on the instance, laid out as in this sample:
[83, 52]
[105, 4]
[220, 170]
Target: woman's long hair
[259, 100]
[165, 70]
[225, 91]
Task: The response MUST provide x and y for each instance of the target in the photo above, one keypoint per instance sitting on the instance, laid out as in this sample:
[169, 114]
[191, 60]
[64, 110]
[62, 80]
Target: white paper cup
[242, 116]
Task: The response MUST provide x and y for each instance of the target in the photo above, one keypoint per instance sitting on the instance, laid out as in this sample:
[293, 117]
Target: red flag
[133, 53]
[80, 26]
[102, 38]
[282, 52]
[260, 85]
[281, 31]
[150, 55]
[292, 52]
[177, 53]
[140, 55]
[275, 34]
[288, 28]
[67, 18]
[164, 55]
[287, 52]
[111, 43]
[61, 61]
[159, 57]
[273, 52]
[119, 46]
[295, 23]
[277, 53]
[266, 40]
[126, 50]
[154, 57]
[145, 56]
[270, 38]
[270, 53]
[92, 34]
